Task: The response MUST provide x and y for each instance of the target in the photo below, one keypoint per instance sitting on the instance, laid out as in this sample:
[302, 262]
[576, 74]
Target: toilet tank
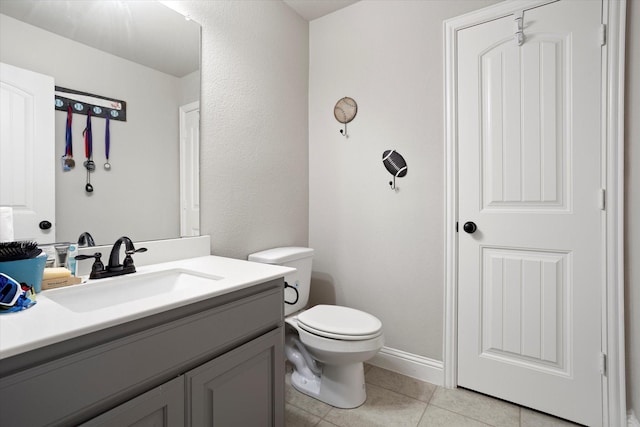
[298, 284]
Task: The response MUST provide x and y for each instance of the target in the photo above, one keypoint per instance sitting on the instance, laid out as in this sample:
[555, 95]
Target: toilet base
[341, 386]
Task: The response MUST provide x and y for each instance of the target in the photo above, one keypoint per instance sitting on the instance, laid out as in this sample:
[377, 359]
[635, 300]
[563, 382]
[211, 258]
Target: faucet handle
[135, 251]
[128, 261]
[97, 266]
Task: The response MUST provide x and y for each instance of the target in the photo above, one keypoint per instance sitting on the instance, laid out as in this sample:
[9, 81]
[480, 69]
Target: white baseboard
[411, 365]
[632, 421]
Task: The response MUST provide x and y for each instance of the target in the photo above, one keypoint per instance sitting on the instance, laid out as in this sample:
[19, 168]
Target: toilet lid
[334, 321]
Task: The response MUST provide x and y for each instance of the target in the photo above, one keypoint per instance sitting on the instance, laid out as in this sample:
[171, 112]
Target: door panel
[522, 323]
[27, 175]
[523, 142]
[529, 278]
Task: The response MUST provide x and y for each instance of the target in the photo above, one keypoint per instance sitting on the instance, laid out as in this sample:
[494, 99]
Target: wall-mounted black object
[395, 164]
[345, 110]
[83, 102]
[470, 227]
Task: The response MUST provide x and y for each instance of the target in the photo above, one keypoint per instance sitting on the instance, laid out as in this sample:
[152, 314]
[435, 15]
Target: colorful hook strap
[68, 150]
[88, 138]
[107, 138]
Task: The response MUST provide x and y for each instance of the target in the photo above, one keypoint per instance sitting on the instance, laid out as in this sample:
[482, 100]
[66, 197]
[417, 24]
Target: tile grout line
[426, 402]
[466, 415]
[404, 394]
[519, 416]
[423, 414]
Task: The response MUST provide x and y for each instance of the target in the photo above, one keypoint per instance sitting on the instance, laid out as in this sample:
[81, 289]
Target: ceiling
[145, 32]
[312, 9]
[112, 27]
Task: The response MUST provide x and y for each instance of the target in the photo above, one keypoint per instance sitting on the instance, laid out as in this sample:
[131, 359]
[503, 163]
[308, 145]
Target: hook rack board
[83, 102]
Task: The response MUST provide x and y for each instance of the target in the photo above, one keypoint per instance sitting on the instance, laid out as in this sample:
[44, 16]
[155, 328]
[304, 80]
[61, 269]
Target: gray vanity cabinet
[235, 389]
[217, 362]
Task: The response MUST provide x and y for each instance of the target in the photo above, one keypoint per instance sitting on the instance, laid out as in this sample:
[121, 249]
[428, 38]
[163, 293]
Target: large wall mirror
[143, 53]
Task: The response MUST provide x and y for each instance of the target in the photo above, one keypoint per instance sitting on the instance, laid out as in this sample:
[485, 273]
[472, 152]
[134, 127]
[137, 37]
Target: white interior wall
[144, 156]
[254, 145]
[379, 250]
[632, 200]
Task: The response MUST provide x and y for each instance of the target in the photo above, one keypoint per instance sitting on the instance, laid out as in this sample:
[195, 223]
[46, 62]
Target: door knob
[470, 227]
[44, 225]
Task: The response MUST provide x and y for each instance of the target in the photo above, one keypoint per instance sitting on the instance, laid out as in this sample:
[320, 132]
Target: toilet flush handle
[286, 285]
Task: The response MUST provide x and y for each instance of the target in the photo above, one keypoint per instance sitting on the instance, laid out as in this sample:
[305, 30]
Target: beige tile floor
[394, 400]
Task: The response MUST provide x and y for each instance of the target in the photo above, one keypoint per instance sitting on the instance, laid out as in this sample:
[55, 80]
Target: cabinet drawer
[74, 388]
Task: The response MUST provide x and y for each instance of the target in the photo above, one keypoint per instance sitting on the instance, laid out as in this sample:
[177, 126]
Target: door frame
[183, 110]
[612, 142]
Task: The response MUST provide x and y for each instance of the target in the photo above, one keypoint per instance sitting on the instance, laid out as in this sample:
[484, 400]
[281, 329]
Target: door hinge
[603, 34]
[603, 364]
[602, 197]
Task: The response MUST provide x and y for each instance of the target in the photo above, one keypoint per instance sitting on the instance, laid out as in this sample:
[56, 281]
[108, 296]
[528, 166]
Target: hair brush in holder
[14, 251]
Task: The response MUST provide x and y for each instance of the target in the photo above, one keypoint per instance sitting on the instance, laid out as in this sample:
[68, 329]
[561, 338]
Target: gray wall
[254, 144]
[376, 249]
[139, 196]
[632, 200]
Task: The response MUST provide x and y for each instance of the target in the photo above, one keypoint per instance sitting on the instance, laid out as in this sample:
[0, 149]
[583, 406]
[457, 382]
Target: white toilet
[327, 344]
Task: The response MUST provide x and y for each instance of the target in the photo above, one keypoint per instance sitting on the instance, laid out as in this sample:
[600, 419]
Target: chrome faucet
[114, 268]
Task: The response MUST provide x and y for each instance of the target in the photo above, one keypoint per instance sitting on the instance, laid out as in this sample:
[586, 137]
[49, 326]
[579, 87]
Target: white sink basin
[140, 289]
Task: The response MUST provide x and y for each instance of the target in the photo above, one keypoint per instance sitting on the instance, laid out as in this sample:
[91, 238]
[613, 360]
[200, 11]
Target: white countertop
[49, 322]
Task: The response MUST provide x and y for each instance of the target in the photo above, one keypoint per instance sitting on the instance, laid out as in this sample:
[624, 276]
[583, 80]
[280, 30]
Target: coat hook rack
[395, 164]
[345, 110]
[83, 102]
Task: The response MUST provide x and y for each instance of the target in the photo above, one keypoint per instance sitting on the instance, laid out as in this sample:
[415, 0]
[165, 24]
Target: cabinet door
[244, 387]
[161, 406]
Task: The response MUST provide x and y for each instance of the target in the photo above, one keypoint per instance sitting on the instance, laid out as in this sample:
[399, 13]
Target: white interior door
[529, 143]
[190, 169]
[27, 151]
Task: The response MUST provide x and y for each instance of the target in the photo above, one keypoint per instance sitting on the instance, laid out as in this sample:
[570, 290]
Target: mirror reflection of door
[190, 169]
[27, 175]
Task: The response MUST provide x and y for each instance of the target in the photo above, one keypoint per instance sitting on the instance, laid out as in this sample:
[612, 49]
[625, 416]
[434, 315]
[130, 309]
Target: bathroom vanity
[212, 355]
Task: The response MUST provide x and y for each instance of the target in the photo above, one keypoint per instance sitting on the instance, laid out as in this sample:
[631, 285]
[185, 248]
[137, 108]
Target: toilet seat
[341, 323]
[330, 335]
